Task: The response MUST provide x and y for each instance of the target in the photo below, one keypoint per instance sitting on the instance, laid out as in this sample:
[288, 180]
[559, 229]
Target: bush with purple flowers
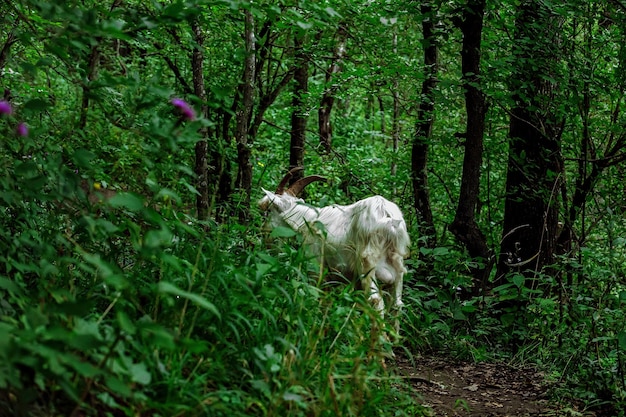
[5, 107]
[186, 111]
[21, 129]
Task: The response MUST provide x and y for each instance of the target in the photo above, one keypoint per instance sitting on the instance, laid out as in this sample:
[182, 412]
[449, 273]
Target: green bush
[126, 304]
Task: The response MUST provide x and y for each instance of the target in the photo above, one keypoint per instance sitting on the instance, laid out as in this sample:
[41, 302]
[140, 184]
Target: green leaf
[84, 369]
[501, 288]
[160, 337]
[267, 258]
[468, 308]
[85, 327]
[518, 280]
[169, 288]
[6, 337]
[106, 270]
[331, 12]
[125, 323]
[457, 314]
[7, 284]
[129, 201]
[166, 194]
[157, 238]
[304, 25]
[83, 158]
[440, 251]
[507, 319]
[195, 346]
[291, 396]
[118, 386]
[26, 169]
[139, 373]
[261, 386]
[282, 232]
[36, 105]
[425, 251]
[262, 269]
[621, 340]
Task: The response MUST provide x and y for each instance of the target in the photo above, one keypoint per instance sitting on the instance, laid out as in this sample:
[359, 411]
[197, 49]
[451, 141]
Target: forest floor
[452, 388]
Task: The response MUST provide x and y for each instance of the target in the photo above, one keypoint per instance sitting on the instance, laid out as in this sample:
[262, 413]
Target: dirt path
[484, 389]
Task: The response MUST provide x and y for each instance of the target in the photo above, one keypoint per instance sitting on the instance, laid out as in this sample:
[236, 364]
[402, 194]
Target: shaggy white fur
[366, 240]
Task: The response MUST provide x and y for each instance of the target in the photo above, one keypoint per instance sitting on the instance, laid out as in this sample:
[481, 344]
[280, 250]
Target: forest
[139, 276]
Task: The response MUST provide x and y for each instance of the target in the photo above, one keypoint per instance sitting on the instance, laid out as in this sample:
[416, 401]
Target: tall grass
[120, 308]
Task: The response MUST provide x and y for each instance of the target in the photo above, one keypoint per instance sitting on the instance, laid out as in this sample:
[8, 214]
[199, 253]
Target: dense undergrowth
[130, 306]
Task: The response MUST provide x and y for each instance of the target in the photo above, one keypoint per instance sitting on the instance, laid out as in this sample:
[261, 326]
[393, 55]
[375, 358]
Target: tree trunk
[328, 98]
[381, 112]
[531, 205]
[6, 48]
[395, 119]
[243, 115]
[298, 113]
[92, 71]
[423, 129]
[464, 226]
[591, 162]
[268, 85]
[220, 168]
[201, 166]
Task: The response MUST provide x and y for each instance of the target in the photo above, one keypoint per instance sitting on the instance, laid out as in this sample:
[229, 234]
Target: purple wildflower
[184, 108]
[22, 129]
[5, 107]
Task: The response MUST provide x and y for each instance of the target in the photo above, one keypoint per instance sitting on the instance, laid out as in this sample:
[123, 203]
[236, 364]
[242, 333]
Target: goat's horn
[297, 187]
[281, 187]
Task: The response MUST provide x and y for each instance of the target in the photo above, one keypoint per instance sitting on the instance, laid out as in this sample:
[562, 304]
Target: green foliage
[126, 305]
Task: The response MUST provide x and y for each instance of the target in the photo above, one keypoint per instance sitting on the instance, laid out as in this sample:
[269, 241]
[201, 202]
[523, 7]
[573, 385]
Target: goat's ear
[268, 200]
[264, 203]
[273, 199]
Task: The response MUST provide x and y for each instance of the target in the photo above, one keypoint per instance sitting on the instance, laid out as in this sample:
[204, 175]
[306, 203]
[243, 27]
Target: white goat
[366, 240]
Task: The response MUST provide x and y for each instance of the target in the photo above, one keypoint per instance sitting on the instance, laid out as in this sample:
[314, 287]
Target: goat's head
[282, 199]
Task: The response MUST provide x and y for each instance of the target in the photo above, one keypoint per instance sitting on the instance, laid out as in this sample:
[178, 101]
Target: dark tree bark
[261, 77]
[464, 226]
[423, 128]
[268, 83]
[298, 113]
[92, 72]
[266, 100]
[201, 166]
[328, 98]
[381, 112]
[593, 159]
[243, 115]
[220, 166]
[531, 205]
[6, 48]
[395, 117]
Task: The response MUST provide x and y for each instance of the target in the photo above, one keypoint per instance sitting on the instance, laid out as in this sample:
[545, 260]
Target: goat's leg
[397, 304]
[397, 269]
[374, 296]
